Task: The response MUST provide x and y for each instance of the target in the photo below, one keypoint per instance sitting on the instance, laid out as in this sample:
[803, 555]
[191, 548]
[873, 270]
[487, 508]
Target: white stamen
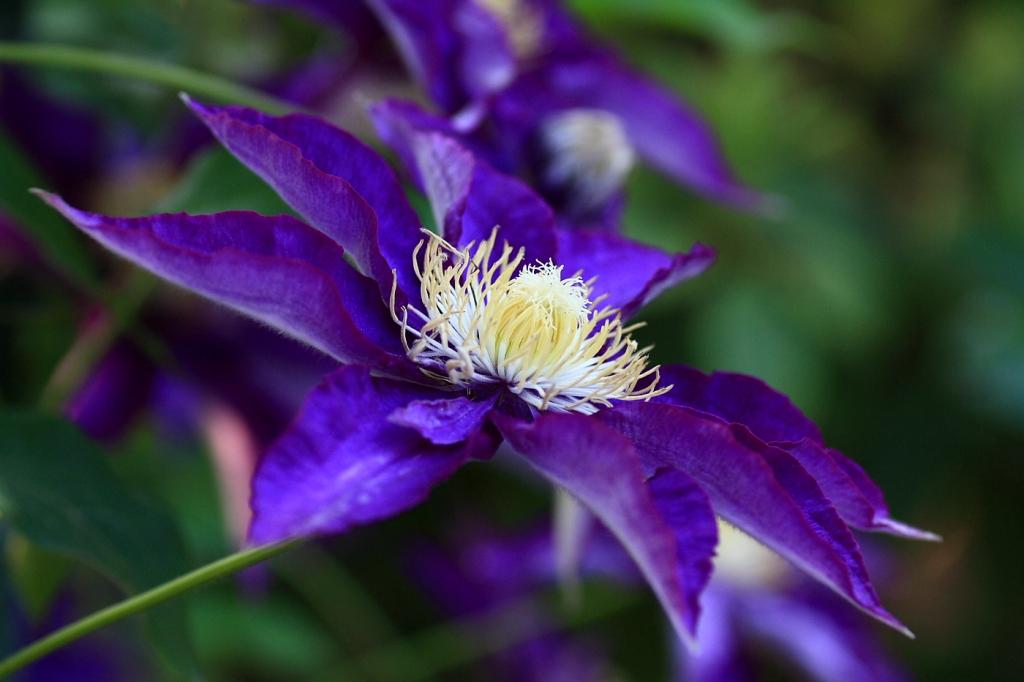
[485, 320]
[588, 154]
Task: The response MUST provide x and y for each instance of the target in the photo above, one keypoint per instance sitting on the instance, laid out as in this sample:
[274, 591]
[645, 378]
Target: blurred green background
[887, 300]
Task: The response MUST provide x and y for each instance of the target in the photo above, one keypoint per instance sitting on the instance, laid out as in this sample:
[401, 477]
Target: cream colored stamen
[524, 24]
[485, 320]
[588, 153]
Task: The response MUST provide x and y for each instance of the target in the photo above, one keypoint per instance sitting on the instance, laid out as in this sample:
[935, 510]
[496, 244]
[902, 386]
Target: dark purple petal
[444, 421]
[740, 399]
[454, 48]
[340, 185]
[116, 391]
[666, 524]
[468, 196]
[66, 142]
[629, 274]
[276, 270]
[759, 488]
[772, 417]
[668, 133]
[343, 463]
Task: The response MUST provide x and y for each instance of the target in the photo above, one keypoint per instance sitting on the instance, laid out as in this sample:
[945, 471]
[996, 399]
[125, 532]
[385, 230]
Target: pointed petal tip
[200, 109]
[880, 614]
[894, 527]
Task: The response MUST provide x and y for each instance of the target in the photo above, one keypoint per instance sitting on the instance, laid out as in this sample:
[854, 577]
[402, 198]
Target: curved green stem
[140, 602]
[129, 66]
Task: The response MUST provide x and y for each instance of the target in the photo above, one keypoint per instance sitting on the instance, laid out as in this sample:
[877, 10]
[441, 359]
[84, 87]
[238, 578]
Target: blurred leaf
[58, 491]
[273, 637]
[8, 636]
[216, 181]
[55, 238]
[744, 332]
[738, 24]
[986, 340]
[36, 574]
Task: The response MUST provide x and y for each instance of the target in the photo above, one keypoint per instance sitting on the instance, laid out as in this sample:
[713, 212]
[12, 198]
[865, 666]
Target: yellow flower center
[486, 320]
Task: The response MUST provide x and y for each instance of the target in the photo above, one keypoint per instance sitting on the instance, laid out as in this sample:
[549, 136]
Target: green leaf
[57, 490]
[737, 24]
[216, 181]
[56, 239]
[36, 574]
[8, 636]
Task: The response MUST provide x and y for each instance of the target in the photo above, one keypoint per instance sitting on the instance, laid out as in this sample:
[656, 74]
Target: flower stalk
[140, 68]
[141, 602]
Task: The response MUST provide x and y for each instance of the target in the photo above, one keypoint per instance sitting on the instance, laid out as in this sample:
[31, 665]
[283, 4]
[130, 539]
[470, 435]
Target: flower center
[523, 24]
[589, 155]
[486, 320]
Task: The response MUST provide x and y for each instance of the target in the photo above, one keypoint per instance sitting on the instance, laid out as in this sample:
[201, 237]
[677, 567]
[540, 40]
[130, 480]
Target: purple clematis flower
[450, 344]
[527, 87]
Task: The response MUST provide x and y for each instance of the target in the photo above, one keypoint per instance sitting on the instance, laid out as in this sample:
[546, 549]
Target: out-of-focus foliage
[57, 491]
[887, 298]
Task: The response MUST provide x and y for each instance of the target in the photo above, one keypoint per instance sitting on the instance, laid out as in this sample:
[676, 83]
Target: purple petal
[343, 463]
[665, 523]
[718, 657]
[772, 417]
[739, 399]
[816, 638]
[395, 120]
[757, 487]
[454, 48]
[629, 274]
[116, 391]
[341, 186]
[468, 196]
[276, 270]
[444, 421]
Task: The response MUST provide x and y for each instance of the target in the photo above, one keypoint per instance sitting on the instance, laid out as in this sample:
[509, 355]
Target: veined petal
[276, 270]
[468, 196]
[629, 273]
[444, 421]
[772, 417]
[759, 488]
[343, 463]
[340, 185]
[665, 522]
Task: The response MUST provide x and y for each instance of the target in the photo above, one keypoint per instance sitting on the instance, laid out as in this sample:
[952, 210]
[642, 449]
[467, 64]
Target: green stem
[128, 66]
[140, 602]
